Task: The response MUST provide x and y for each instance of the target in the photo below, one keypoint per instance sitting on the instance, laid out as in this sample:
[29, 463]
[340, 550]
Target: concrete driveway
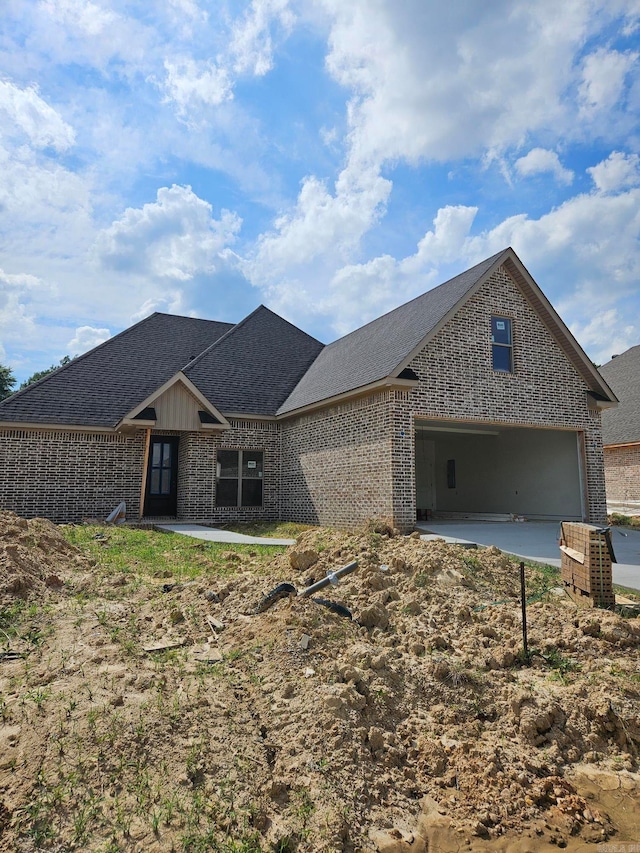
[538, 540]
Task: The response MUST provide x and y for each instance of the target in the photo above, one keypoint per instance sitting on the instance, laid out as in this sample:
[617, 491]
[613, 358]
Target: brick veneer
[196, 484]
[622, 473]
[68, 476]
[336, 465]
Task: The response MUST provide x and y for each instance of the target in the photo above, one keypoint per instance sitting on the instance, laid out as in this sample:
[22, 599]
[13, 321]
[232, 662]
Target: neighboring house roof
[622, 424]
[252, 369]
[101, 386]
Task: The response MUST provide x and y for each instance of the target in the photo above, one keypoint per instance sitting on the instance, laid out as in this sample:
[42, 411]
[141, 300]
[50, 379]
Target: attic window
[207, 418]
[501, 344]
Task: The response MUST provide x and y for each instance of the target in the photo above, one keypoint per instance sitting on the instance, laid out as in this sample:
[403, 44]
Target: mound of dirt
[34, 556]
[193, 716]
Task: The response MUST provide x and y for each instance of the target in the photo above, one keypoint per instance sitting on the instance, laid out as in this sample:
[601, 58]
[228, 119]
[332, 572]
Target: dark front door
[162, 476]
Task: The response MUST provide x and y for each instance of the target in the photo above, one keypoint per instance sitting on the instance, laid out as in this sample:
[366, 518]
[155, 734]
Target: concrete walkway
[538, 540]
[213, 534]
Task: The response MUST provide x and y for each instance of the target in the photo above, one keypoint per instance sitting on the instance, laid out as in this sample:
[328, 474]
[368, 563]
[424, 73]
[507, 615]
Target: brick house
[621, 432]
[473, 397]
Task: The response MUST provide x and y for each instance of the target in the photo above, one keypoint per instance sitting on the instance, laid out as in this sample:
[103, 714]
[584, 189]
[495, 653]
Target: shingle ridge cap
[222, 338]
[491, 258]
[77, 359]
[289, 323]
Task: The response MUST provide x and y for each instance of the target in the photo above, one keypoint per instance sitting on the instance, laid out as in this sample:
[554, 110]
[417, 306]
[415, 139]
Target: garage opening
[473, 469]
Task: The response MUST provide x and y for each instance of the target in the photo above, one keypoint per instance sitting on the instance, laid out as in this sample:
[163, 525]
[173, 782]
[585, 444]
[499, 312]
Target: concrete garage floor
[538, 540]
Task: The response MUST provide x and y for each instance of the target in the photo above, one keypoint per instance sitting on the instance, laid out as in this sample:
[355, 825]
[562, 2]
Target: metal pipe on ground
[331, 578]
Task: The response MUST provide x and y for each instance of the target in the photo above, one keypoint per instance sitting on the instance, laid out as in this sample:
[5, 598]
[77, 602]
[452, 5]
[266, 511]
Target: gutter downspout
[145, 471]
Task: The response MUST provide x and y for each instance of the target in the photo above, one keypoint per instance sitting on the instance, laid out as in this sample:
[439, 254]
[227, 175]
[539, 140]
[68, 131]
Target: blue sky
[329, 159]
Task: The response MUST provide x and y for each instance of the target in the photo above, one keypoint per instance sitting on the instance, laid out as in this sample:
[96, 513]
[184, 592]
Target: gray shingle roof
[374, 351]
[253, 368]
[103, 385]
[622, 424]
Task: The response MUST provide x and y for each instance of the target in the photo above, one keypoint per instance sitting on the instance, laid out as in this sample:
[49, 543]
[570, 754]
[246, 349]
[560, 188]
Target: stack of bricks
[586, 564]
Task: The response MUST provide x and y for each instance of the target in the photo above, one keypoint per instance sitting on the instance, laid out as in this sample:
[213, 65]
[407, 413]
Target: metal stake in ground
[523, 599]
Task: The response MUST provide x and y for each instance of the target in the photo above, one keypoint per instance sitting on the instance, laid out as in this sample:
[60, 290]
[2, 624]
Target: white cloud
[251, 48]
[174, 237]
[84, 16]
[18, 292]
[618, 171]
[32, 115]
[321, 223]
[541, 160]
[603, 78]
[436, 87]
[86, 338]
[607, 333]
[191, 84]
[442, 245]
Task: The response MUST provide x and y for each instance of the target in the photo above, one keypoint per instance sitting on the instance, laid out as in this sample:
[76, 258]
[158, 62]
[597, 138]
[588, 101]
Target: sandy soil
[138, 719]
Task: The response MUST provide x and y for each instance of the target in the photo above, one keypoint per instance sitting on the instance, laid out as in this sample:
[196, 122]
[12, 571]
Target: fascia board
[390, 383]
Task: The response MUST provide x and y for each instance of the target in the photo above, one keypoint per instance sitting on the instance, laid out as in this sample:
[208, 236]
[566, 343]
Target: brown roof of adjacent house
[622, 424]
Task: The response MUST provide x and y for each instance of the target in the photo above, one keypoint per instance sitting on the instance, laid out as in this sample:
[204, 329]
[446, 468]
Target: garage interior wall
[529, 472]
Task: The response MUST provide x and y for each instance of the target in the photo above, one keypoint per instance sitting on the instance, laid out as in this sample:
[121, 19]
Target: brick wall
[459, 383]
[67, 476]
[622, 473]
[336, 465]
[346, 463]
[196, 479]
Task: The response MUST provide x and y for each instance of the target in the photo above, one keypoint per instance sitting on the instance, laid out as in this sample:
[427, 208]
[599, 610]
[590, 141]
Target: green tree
[7, 381]
[40, 373]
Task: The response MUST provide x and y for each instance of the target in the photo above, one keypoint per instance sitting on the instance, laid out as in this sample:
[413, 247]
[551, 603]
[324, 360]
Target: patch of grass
[134, 551]
[11, 617]
[272, 529]
[620, 520]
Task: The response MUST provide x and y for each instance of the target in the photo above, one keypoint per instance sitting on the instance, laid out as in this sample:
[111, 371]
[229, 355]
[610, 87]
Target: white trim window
[501, 344]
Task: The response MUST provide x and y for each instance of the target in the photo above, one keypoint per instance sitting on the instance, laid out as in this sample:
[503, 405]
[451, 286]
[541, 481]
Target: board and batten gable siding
[622, 473]
[177, 409]
[66, 475]
[336, 464]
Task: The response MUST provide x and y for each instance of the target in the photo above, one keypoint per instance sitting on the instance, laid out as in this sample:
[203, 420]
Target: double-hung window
[239, 478]
[501, 344]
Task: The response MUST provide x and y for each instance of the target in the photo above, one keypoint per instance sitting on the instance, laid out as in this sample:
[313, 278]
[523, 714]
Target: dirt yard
[148, 708]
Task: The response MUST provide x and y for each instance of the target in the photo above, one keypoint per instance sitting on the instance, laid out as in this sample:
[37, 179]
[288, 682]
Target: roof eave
[388, 383]
[55, 427]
